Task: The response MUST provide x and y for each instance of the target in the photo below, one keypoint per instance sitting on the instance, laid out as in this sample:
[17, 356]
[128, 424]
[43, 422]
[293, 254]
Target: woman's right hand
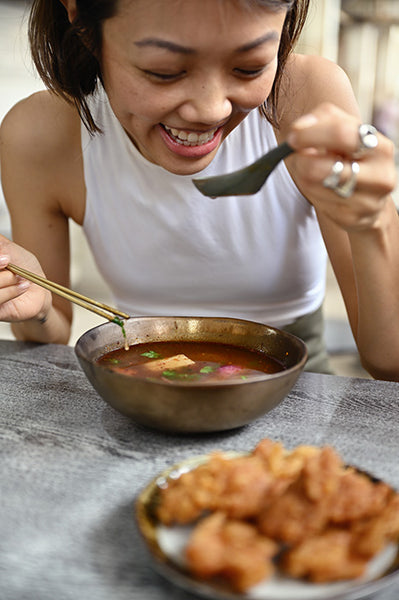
[20, 300]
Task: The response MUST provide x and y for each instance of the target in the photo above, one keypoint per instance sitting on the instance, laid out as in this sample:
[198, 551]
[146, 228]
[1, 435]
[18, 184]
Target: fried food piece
[303, 509]
[246, 486]
[325, 557]
[237, 486]
[371, 535]
[358, 497]
[231, 548]
[280, 462]
[321, 475]
[292, 517]
[186, 498]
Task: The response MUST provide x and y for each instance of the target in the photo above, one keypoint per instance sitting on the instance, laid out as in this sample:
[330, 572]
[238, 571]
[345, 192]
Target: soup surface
[190, 361]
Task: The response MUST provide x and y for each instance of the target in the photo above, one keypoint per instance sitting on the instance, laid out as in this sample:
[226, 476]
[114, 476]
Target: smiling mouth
[190, 138]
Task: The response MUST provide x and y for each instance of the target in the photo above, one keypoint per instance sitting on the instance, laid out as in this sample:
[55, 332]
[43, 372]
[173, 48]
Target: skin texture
[161, 71]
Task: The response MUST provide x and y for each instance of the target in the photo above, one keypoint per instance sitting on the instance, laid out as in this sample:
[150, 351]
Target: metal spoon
[246, 181]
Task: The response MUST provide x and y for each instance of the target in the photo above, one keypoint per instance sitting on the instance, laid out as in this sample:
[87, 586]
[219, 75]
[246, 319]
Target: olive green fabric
[310, 329]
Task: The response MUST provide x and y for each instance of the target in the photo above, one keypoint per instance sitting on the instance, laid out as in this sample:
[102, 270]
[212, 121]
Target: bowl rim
[255, 379]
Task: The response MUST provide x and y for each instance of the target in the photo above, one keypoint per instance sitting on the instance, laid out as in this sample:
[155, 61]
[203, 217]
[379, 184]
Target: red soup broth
[190, 361]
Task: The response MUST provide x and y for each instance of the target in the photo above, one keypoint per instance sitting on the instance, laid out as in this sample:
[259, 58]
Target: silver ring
[332, 180]
[346, 189]
[367, 137]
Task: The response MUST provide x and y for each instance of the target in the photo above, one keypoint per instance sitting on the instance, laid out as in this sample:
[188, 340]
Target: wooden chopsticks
[103, 310]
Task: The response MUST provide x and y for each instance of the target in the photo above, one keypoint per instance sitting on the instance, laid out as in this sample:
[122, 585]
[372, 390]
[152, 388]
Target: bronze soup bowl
[192, 406]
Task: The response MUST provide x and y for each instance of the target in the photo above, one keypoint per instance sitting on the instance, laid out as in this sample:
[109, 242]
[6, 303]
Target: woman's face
[182, 74]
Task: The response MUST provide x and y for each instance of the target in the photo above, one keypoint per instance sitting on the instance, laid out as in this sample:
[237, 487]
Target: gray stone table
[71, 468]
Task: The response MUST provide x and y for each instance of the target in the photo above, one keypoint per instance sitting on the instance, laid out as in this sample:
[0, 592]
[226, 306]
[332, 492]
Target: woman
[145, 94]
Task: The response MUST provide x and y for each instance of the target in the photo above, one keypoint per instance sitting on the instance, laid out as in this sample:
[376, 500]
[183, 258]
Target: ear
[70, 6]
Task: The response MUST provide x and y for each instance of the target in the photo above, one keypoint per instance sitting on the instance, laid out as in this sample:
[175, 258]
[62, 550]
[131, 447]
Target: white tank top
[165, 249]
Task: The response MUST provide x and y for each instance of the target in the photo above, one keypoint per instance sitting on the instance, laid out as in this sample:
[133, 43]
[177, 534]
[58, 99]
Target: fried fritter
[231, 548]
[324, 557]
[184, 499]
[237, 486]
[246, 486]
[303, 509]
[357, 497]
[371, 535]
[282, 463]
[292, 517]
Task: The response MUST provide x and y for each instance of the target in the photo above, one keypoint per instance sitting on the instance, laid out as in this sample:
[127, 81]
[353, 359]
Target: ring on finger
[332, 181]
[345, 190]
[367, 139]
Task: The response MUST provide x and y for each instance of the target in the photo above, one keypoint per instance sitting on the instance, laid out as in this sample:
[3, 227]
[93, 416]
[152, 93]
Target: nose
[207, 102]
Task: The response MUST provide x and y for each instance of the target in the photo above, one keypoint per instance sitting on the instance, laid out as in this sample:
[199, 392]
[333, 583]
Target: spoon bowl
[245, 181]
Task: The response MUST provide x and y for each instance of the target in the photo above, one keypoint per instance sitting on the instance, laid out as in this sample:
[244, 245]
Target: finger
[367, 182]
[330, 129]
[8, 279]
[13, 291]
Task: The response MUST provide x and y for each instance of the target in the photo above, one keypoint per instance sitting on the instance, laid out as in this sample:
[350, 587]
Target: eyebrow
[271, 36]
[159, 43]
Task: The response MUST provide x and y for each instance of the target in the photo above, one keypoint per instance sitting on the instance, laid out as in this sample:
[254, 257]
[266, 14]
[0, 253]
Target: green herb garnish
[169, 373]
[208, 369]
[121, 324]
[151, 354]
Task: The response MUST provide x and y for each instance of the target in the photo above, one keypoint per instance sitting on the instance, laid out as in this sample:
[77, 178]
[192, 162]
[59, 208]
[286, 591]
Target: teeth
[191, 139]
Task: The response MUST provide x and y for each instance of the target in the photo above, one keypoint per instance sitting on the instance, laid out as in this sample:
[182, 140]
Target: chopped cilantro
[151, 354]
[169, 373]
[208, 369]
[121, 324]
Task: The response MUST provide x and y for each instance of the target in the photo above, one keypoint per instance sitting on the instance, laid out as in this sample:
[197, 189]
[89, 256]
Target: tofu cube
[173, 362]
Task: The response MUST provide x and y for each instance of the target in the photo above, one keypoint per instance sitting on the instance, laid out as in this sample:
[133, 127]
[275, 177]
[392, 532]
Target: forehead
[218, 18]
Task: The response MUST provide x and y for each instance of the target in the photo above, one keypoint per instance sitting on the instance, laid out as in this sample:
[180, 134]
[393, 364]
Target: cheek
[257, 91]
[253, 98]
[135, 98]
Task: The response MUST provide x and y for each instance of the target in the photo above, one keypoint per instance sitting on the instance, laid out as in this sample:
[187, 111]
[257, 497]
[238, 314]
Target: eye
[163, 77]
[250, 73]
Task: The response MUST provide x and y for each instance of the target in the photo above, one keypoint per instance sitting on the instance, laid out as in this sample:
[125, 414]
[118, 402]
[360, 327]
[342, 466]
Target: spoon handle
[271, 159]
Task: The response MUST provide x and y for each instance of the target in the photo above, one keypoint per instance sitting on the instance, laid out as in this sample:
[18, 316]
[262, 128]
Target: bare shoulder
[310, 80]
[41, 128]
[40, 149]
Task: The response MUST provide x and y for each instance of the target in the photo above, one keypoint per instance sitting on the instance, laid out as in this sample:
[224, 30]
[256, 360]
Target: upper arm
[311, 81]
[41, 172]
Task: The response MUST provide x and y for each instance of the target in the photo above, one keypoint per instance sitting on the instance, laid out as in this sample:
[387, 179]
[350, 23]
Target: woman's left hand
[327, 140]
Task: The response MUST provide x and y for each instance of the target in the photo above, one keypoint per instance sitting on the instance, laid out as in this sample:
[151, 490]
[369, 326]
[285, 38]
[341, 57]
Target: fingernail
[305, 121]
[4, 260]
